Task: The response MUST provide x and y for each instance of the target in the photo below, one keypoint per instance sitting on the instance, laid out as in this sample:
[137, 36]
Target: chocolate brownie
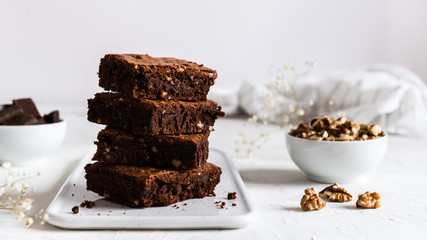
[143, 76]
[146, 186]
[152, 117]
[183, 151]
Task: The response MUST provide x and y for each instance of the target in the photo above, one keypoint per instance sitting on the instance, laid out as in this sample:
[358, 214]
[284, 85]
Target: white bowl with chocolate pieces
[336, 150]
[25, 134]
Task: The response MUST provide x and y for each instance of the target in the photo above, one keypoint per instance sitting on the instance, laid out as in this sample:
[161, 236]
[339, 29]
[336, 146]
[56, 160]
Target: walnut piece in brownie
[147, 186]
[182, 151]
[143, 76]
[153, 117]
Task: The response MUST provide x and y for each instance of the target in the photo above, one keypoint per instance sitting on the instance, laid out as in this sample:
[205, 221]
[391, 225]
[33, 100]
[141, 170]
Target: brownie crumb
[231, 195]
[233, 204]
[223, 204]
[217, 202]
[185, 204]
[99, 214]
[72, 195]
[89, 204]
[75, 209]
[74, 184]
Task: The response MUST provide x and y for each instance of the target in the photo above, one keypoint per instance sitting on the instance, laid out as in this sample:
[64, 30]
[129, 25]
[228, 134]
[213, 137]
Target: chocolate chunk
[27, 105]
[22, 119]
[9, 112]
[52, 117]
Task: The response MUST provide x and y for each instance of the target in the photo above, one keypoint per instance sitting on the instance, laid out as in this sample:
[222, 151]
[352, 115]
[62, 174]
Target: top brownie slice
[143, 76]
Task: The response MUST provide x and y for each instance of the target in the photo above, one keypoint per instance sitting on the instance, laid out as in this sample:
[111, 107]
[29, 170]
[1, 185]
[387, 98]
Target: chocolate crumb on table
[233, 204]
[75, 209]
[231, 195]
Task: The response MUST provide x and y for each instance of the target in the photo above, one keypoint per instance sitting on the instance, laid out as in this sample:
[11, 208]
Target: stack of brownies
[154, 149]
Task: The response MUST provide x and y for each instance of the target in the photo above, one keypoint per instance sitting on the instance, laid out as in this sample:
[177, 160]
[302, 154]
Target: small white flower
[311, 103]
[2, 191]
[300, 112]
[10, 180]
[286, 66]
[291, 108]
[285, 87]
[330, 102]
[7, 165]
[45, 217]
[24, 204]
[265, 115]
[285, 118]
[28, 221]
[20, 215]
[17, 186]
[25, 185]
[249, 153]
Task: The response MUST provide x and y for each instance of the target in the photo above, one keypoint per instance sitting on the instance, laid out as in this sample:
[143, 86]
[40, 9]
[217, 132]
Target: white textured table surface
[275, 186]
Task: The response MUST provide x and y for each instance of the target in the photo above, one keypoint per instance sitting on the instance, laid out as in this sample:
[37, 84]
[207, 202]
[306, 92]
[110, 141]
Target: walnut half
[369, 200]
[311, 201]
[335, 193]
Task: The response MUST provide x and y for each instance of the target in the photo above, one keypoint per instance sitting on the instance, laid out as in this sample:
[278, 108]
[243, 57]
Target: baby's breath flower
[330, 102]
[25, 204]
[285, 118]
[25, 185]
[300, 112]
[2, 191]
[28, 221]
[18, 187]
[6, 165]
[10, 180]
[310, 103]
[285, 87]
[45, 217]
[20, 215]
[291, 108]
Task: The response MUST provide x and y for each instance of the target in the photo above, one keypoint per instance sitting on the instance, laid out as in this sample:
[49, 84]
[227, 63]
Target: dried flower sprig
[14, 199]
[282, 108]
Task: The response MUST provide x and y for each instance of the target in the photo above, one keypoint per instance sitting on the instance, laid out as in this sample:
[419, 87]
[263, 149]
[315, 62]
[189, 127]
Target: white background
[50, 50]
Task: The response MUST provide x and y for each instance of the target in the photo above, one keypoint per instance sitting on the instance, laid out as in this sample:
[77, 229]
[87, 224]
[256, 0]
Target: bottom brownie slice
[147, 186]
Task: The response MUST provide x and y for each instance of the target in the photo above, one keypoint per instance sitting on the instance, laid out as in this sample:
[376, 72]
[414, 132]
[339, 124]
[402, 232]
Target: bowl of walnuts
[332, 150]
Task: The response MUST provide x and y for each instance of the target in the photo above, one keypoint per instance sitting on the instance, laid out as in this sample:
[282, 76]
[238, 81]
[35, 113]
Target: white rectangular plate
[201, 213]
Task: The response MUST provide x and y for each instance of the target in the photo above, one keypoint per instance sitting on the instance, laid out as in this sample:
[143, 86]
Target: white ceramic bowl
[336, 161]
[20, 144]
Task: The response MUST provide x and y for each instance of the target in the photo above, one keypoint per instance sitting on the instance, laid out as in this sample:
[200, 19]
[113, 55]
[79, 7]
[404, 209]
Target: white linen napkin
[389, 95]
